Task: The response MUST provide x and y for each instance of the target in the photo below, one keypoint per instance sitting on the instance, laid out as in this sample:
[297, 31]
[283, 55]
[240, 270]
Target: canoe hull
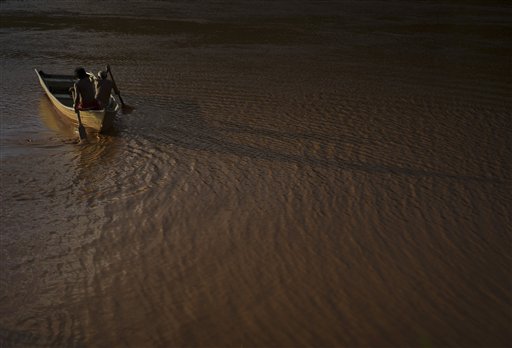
[57, 88]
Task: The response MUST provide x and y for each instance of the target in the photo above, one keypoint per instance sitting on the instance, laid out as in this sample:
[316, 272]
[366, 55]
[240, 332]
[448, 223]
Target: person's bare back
[84, 97]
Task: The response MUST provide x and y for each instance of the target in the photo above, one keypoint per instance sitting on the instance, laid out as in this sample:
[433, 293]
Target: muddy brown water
[296, 173]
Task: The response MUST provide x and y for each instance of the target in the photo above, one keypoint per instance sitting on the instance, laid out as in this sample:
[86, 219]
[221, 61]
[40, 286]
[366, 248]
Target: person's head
[102, 74]
[80, 73]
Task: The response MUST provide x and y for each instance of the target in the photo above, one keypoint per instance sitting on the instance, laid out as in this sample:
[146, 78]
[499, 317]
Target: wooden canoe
[57, 89]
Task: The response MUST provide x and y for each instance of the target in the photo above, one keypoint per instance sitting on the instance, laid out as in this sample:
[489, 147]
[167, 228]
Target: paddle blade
[126, 109]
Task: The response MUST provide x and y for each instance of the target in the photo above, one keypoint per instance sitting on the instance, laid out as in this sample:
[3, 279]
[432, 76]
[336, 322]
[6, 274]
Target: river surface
[295, 173]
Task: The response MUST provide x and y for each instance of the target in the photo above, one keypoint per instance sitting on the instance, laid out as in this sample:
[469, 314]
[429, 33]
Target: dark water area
[295, 173]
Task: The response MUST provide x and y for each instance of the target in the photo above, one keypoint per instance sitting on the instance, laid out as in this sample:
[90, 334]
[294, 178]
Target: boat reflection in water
[54, 121]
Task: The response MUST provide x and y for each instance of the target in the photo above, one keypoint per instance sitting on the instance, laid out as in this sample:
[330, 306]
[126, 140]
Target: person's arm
[96, 88]
[77, 97]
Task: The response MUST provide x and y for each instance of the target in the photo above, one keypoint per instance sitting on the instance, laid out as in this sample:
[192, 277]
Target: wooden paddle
[126, 107]
[81, 128]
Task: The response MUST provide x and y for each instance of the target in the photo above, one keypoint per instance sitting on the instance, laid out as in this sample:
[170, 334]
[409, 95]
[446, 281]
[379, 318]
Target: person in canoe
[84, 92]
[104, 87]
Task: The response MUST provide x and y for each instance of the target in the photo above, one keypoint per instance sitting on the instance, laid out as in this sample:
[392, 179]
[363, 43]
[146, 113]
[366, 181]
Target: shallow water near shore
[294, 174]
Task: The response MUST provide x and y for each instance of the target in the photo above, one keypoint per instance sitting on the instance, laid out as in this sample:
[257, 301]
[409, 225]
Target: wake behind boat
[57, 88]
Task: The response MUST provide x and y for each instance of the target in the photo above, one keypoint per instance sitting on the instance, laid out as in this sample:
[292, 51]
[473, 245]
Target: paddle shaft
[81, 128]
[115, 85]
